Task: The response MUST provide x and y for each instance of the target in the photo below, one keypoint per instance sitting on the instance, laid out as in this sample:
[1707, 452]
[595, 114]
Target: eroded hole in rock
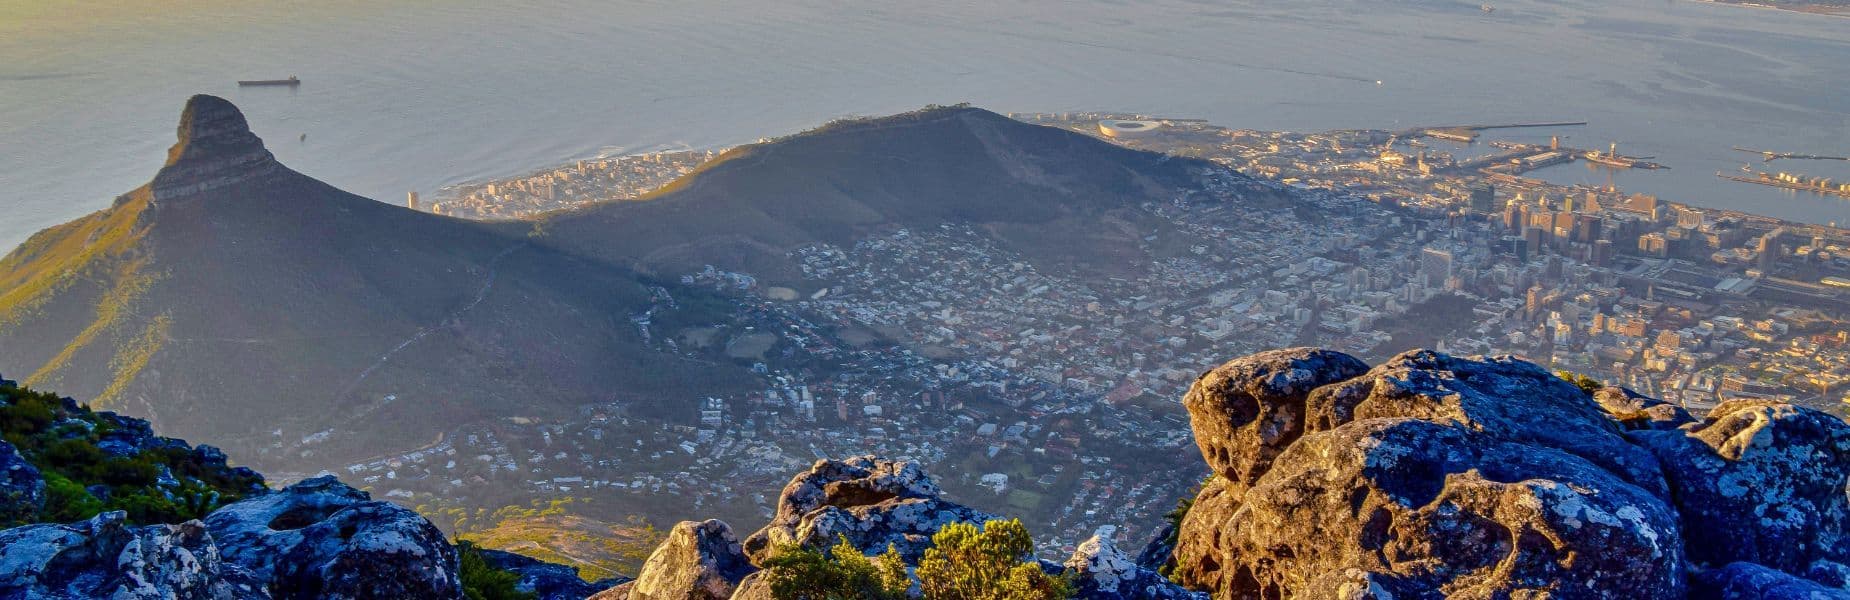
[855, 493]
[1374, 534]
[301, 516]
[1413, 480]
[1242, 410]
[67, 566]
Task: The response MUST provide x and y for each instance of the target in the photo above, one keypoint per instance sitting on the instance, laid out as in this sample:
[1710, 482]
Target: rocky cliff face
[215, 149]
[1434, 476]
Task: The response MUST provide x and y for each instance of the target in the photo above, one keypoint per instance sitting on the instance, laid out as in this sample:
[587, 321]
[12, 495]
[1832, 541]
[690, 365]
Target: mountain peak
[215, 148]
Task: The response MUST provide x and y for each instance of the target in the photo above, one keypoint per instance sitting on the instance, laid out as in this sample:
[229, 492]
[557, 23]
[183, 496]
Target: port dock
[1790, 181]
[1469, 133]
[1772, 155]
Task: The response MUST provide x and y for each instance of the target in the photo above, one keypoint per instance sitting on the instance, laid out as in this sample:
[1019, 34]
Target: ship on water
[291, 82]
[1610, 158]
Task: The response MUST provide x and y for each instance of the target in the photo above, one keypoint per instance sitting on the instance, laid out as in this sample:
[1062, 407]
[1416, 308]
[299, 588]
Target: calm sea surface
[417, 94]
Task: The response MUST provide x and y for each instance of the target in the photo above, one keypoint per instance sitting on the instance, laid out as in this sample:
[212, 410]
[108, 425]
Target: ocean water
[403, 95]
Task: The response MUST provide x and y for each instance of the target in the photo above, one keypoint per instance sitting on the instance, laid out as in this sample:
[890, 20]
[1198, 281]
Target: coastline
[1822, 10]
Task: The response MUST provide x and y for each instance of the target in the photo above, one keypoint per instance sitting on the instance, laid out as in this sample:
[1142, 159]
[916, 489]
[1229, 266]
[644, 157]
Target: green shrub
[67, 501]
[991, 563]
[841, 573]
[482, 581]
[60, 440]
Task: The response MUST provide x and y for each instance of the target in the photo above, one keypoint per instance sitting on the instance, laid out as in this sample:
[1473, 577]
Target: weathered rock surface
[1248, 410]
[547, 581]
[1760, 482]
[1634, 411]
[1507, 398]
[1436, 476]
[1432, 509]
[1200, 545]
[1100, 571]
[873, 502]
[699, 561]
[106, 558]
[1748, 581]
[22, 491]
[322, 539]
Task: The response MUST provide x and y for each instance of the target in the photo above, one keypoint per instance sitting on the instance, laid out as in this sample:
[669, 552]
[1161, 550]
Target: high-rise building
[1484, 199]
[1532, 238]
[1602, 253]
[1435, 266]
[1767, 251]
[411, 200]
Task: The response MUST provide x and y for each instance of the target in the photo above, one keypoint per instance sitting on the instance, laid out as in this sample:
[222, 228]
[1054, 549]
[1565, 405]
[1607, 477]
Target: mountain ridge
[328, 307]
[346, 315]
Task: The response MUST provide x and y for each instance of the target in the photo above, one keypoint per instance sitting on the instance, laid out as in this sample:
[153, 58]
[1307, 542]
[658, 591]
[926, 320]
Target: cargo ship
[1793, 181]
[291, 81]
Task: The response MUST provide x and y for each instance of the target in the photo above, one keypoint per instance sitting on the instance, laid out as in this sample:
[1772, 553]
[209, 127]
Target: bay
[402, 95]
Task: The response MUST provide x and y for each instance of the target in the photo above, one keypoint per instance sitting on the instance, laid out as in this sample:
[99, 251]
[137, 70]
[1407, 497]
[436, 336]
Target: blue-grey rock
[22, 490]
[1759, 482]
[1099, 571]
[1508, 398]
[106, 558]
[322, 539]
[1748, 581]
[873, 502]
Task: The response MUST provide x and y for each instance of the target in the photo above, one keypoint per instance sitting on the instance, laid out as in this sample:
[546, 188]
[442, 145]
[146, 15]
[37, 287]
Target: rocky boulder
[1759, 482]
[1634, 411]
[1504, 397]
[700, 560]
[1200, 549]
[1748, 581]
[1100, 571]
[873, 502]
[322, 539]
[22, 490]
[1424, 509]
[104, 557]
[1250, 409]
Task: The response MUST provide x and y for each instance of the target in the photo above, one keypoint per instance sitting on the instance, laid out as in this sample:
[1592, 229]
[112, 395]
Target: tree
[988, 563]
[840, 573]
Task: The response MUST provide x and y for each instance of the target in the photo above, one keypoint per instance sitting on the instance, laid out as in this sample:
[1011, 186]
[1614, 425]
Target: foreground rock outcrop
[1760, 482]
[315, 539]
[1437, 476]
[873, 502]
[699, 561]
[105, 557]
[22, 490]
[322, 539]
